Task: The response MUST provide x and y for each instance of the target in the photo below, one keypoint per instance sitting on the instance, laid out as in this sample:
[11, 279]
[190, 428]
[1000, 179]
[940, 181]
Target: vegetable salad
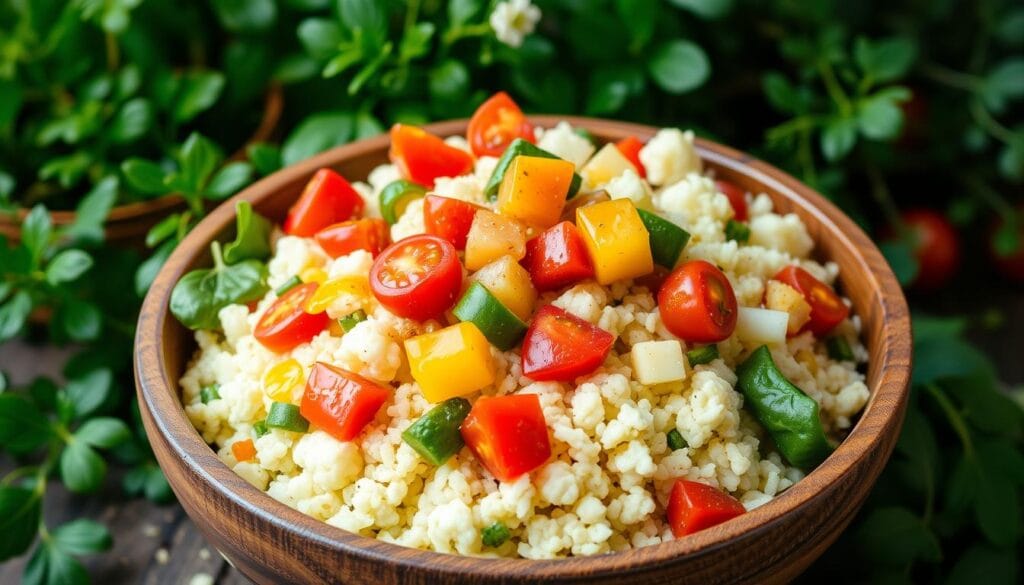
[522, 343]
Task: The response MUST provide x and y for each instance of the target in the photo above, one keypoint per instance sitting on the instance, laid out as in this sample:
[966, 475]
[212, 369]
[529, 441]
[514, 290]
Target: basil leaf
[67, 266]
[320, 37]
[81, 467]
[246, 15]
[316, 134]
[103, 432]
[132, 121]
[265, 158]
[82, 537]
[146, 273]
[241, 283]
[23, 427]
[20, 511]
[198, 91]
[51, 566]
[199, 157]
[13, 314]
[92, 211]
[252, 236]
[983, 564]
[145, 176]
[838, 138]
[89, 391]
[79, 320]
[192, 300]
[36, 232]
[679, 66]
[229, 180]
[895, 537]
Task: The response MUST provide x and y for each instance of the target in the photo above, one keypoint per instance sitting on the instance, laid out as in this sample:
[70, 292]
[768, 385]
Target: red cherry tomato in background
[694, 506]
[827, 309]
[508, 434]
[328, 198]
[448, 218]
[697, 303]
[286, 324]
[560, 346]
[418, 277]
[936, 246]
[557, 257]
[737, 198]
[630, 148]
[339, 402]
[495, 124]
[1009, 265]
[422, 157]
[343, 238]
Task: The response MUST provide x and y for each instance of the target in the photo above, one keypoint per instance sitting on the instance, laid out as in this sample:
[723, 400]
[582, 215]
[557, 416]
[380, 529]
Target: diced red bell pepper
[343, 238]
[422, 157]
[737, 198]
[630, 148]
[557, 257]
[328, 198]
[448, 218]
[508, 434]
[694, 506]
[559, 346]
[339, 402]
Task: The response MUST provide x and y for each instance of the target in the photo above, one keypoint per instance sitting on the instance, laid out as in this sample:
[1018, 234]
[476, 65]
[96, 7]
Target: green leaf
[367, 18]
[36, 231]
[997, 509]
[199, 90]
[145, 176]
[342, 61]
[462, 11]
[146, 273]
[164, 229]
[229, 180]
[896, 537]
[315, 134]
[81, 468]
[679, 66]
[879, 118]
[901, 259]
[780, 93]
[709, 9]
[81, 320]
[639, 17]
[23, 427]
[246, 15]
[201, 294]
[1011, 161]
[10, 101]
[52, 566]
[131, 121]
[92, 211]
[939, 358]
[20, 512]
[89, 391]
[252, 236]
[265, 158]
[885, 60]
[983, 564]
[13, 314]
[449, 81]
[367, 126]
[199, 157]
[104, 432]
[82, 537]
[320, 37]
[1005, 81]
[838, 137]
[608, 90]
[67, 170]
[416, 41]
[1010, 28]
[918, 448]
[67, 266]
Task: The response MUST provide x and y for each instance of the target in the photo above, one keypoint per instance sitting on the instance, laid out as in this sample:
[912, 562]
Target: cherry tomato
[936, 247]
[327, 198]
[343, 238]
[697, 303]
[339, 402]
[557, 257]
[418, 277]
[508, 434]
[495, 124]
[827, 309]
[694, 506]
[286, 324]
[1009, 265]
[422, 157]
[630, 148]
[560, 346]
[448, 218]
[737, 199]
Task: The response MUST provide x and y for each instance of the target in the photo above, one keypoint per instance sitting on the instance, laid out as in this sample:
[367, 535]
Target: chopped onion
[761, 325]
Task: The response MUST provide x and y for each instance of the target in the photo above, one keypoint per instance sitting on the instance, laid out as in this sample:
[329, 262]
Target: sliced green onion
[396, 197]
[676, 440]
[667, 239]
[209, 393]
[839, 349]
[516, 148]
[737, 231]
[702, 355]
[351, 320]
[498, 324]
[495, 535]
[436, 435]
[288, 285]
[286, 417]
[260, 428]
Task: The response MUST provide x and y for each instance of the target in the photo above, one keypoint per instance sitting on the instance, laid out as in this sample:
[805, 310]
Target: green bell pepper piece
[839, 349]
[498, 324]
[208, 394]
[737, 231]
[495, 535]
[286, 416]
[676, 440]
[667, 239]
[702, 355]
[260, 428]
[351, 320]
[436, 435]
[516, 148]
[396, 196]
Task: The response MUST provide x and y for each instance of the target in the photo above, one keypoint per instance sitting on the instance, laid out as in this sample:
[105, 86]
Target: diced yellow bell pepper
[313, 274]
[451, 362]
[604, 166]
[355, 286]
[616, 239]
[511, 283]
[534, 189]
[492, 236]
[282, 380]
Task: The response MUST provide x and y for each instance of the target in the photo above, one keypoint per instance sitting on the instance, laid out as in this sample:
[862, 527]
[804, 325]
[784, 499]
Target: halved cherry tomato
[560, 346]
[244, 450]
[496, 123]
[827, 309]
[286, 324]
[327, 198]
[936, 246]
[697, 303]
[422, 157]
[737, 198]
[339, 402]
[508, 434]
[448, 218]
[418, 277]
[557, 257]
[694, 506]
[630, 148]
[343, 238]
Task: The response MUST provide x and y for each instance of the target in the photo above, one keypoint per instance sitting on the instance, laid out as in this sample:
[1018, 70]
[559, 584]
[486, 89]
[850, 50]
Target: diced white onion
[761, 325]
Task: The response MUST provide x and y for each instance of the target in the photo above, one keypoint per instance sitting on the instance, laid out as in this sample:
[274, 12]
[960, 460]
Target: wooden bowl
[272, 543]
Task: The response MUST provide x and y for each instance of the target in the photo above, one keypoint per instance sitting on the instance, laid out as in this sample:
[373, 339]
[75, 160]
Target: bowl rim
[881, 418]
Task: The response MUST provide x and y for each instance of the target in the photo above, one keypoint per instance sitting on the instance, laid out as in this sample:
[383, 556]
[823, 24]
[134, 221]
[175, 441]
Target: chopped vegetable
[498, 324]
[339, 402]
[737, 199]
[520, 147]
[779, 296]
[789, 415]
[560, 346]
[495, 535]
[355, 287]
[244, 450]
[209, 393]
[839, 349]
[702, 355]
[343, 238]
[492, 236]
[396, 196]
[657, 362]
[676, 440]
[737, 232]
[604, 166]
[436, 435]
[282, 379]
[260, 428]
[198, 297]
[448, 218]
[451, 362]
[557, 257]
[756, 326]
[495, 124]
[666, 238]
[511, 284]
[697, 303]
[348, 322]
[827, 309]
[534, 190]
[286, 324]
[288, 285]
[617, 241]
[327, 199]
[422, 157]
[418, 277]
[508, 434]
[694, 506]
[286, 417]
[313, 274]
[569, 211]
[630, 148]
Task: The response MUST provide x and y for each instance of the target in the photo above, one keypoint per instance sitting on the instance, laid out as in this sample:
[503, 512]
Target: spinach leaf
[252, 239]
[201, 294]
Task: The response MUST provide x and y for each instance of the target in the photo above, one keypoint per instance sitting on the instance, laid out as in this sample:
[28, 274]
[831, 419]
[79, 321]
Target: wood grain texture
[272, 543]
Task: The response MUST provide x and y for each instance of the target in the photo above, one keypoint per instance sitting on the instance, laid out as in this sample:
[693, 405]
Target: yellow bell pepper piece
[313, 274]
[511, 283]
[329, 291]
[534, 189]
[451, 362]
[492, 236]
[616, 239]
[607, 164]
[281, 381]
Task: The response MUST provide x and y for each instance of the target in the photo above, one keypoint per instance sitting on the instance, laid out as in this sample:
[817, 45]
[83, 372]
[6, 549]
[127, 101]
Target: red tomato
[737, 199]
[1011, 265]
[356, 234]
[630, 148]
[340, 403]
[418, 277]
[560, 346]
[936, 247]
[495, 124]
[328, 198]
[557, 257]
[827, 309]
[697, 303]
[448, 218]
[694, 506]
[286, 324]
[508, 434]
[422, 157]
